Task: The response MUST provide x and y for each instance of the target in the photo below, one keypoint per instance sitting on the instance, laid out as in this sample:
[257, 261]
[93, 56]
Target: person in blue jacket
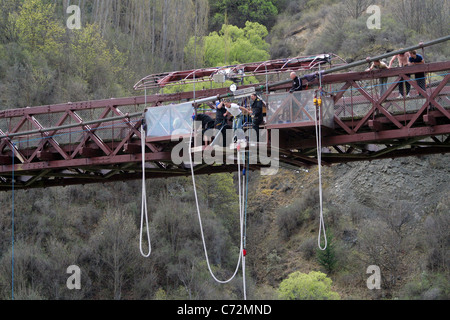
[415, 58]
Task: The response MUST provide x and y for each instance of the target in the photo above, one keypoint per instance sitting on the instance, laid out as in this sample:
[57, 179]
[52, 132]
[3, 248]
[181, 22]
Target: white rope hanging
[200, 219]
[317, 111]
[243, 198]
[144, 212]
[319, 164]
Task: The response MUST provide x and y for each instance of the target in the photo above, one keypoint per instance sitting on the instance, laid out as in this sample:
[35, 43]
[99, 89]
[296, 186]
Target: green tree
[231, 45]
[327, 258]
[114, 253]
[7, 7]
[219, 194]
[97, 63]
[236, 12]
[302, 286]
[37, 28]
[34, 42]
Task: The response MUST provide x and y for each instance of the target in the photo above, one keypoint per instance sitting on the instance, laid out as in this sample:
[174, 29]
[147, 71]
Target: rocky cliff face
[357, 196]
[422, 181]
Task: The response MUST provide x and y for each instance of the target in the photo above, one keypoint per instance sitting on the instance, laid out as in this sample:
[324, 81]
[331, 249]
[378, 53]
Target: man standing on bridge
[257, 112]
[296, 83]
[420, 76]
[220, 122]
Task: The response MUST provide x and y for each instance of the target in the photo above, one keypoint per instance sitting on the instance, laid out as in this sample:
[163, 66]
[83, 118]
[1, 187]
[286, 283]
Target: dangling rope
[246, 198]
[241, 198]
[195, 188]
[144, 201]
[243, 215]
[319, 164]
[317, 110]
[200, 219]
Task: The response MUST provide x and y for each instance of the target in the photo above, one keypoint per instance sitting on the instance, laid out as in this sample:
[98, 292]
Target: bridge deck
[365, 126]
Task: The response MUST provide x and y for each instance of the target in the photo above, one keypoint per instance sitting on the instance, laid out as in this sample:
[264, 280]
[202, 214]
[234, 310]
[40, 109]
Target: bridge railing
[298, 109]
[164, 121]
[67, 130]
[354, 103]
[362, 96]
[357, 98]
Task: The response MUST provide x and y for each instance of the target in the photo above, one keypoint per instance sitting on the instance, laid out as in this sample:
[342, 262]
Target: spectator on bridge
[414, 59]
[377, 64]
[296, 82]
[257, 112]
[220, 123]
[238, 117]
[206, 123]
[221, 115]
[403, 60]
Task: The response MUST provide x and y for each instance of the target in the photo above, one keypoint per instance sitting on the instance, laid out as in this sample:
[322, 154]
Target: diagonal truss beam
[89, 157]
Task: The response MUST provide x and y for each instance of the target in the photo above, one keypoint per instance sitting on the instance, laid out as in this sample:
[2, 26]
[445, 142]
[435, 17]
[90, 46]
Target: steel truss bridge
[100, 141]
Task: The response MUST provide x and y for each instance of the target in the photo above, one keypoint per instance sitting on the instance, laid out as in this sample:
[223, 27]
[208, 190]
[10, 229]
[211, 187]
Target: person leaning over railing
[403, 60]
[377, 64]
[238, 118]
[414, 59]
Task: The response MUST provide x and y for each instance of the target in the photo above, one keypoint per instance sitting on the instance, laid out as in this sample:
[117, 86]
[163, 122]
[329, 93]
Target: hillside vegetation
[391, 213]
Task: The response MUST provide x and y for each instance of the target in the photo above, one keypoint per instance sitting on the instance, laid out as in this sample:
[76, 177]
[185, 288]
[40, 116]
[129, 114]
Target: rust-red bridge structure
[100, 141]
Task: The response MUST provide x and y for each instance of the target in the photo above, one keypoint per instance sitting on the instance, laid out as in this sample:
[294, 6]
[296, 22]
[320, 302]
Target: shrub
[293, 216]
[312, 286]
[426, 286]
[308, 248]
[288, 219]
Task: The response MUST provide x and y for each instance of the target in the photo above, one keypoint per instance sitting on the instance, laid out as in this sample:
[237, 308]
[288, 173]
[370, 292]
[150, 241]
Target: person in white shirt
[236, 111]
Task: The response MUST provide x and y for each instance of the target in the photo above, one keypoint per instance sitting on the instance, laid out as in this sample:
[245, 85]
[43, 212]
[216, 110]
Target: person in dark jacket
[220, 123]
[296, 83]
[415, 58]
[207, 123]
[221, 118]
[257, 113]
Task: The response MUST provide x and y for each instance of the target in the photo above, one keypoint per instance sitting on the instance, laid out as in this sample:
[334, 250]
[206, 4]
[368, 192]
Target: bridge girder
[110, 151]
